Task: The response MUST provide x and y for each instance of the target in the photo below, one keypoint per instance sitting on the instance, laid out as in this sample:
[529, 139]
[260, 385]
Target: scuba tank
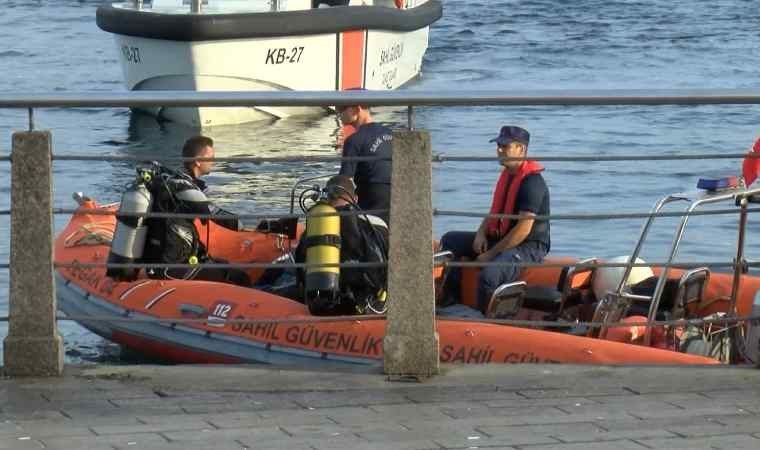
[322, 284]
[128, 241]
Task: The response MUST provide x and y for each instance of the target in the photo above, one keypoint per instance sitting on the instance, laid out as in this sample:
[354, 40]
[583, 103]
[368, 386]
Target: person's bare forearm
[515, 237]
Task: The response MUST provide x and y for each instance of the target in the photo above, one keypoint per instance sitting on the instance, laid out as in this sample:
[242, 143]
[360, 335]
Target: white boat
[265, 45]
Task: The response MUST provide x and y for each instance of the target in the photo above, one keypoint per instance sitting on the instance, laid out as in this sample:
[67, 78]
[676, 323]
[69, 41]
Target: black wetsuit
[362, 239]
[176, 240]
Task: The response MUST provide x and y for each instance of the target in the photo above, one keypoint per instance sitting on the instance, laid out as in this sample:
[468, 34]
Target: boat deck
[247, 407]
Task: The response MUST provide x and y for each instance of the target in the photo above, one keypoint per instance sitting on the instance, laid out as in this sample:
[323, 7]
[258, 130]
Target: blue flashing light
[714, 184]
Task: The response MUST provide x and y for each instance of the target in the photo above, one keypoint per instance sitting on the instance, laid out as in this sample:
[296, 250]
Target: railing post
[33, 346]
[411, 342]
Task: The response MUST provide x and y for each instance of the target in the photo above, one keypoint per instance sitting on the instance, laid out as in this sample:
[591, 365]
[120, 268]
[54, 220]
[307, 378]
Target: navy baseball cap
[511, 133]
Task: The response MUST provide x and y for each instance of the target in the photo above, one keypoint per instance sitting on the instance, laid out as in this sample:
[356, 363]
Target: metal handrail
[171, 215]
[407, 98]
[656, 210]
[363, 318]
[263, 265]
[436, 212]
[437, 158]
[237, 159]
[440, 157]
[599, 216]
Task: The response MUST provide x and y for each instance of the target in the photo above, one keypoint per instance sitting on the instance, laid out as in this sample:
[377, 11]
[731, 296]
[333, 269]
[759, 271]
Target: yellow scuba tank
[128, 241]
[322, 236]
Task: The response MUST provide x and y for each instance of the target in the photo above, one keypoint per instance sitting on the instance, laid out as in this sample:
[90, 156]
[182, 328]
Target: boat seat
[691, 289]
[676, 296]
[542, 298]
[506, 300]
[571, 280]
[440, 274]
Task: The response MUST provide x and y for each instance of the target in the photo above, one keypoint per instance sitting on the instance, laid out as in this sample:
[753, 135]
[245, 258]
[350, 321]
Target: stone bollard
[33, 346]
[411, 342]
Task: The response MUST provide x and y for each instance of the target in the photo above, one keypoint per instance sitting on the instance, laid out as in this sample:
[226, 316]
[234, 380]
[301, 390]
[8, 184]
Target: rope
[62, 265]
[367, 318]
[90, 234]
[113, 212]
[656, 323]
[436, 212]
[257, 265]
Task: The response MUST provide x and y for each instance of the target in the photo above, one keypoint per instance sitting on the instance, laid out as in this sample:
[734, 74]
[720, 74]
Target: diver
[174, 240]
[360, 238]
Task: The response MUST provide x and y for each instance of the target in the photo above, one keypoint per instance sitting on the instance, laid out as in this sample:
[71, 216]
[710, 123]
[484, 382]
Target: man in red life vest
[520, 190]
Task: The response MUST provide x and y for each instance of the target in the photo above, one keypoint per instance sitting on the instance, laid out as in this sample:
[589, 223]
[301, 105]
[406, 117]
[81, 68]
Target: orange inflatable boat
[553, 301]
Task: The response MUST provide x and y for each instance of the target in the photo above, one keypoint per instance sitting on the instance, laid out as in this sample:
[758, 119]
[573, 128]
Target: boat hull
[371, 58]
[280, 330]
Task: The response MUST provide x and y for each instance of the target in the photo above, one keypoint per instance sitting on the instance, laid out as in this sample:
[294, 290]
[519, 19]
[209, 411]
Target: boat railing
[33, 345]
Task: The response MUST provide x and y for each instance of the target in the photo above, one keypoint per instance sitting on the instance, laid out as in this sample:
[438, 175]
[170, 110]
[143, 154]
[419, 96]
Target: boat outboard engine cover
[322, 284]
[128, 241]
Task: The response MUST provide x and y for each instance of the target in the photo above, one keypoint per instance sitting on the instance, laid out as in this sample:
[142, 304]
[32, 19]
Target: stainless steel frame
[698, 199]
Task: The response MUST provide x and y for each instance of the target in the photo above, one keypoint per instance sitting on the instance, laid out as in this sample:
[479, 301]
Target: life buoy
[399, 4]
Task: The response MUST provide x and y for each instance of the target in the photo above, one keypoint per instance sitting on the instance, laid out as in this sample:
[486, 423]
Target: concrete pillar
[411, 342]
[33, 346]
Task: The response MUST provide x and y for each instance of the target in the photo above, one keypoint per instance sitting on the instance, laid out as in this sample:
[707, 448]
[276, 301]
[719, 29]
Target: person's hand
[339, 142]
[480, 244]
[344, 133]
[485, 257]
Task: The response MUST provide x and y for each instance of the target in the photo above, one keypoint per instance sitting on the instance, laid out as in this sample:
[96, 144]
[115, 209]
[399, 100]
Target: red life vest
[505, 196]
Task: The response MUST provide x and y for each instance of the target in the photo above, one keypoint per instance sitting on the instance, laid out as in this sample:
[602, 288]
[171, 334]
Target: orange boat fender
[399, 4]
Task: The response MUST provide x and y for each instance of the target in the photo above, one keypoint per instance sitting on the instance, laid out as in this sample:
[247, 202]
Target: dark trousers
[491, 277]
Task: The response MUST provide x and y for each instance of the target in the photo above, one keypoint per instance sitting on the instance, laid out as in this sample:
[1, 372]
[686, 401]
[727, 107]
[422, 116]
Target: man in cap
[520, 190]
[372, 178]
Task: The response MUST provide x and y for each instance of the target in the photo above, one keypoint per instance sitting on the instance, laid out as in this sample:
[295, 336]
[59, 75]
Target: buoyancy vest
[176, 240]
[364, 238]
[505, 196]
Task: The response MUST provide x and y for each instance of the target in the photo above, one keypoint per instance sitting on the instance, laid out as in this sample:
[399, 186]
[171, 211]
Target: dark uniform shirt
[533, 196]
[372, 178]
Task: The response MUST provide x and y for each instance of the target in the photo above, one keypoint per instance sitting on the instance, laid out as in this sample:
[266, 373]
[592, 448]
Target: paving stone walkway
[498, 407]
